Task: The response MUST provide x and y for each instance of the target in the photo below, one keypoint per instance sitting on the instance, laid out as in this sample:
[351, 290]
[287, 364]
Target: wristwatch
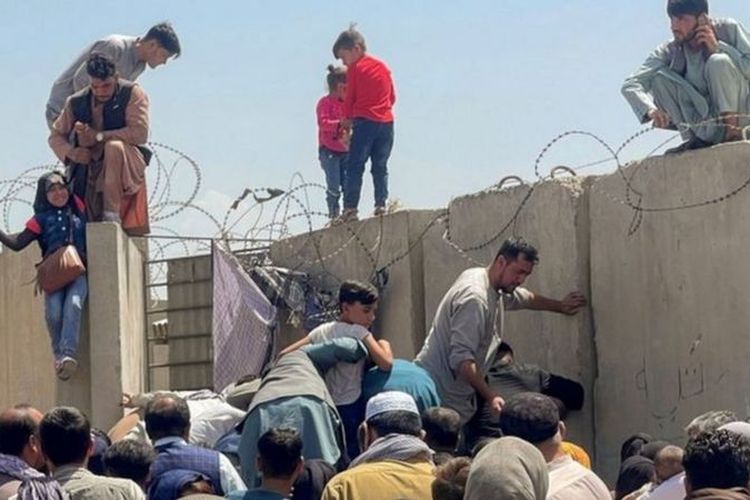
[99, 136]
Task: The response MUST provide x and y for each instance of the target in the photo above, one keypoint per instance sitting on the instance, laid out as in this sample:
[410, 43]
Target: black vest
[114, 110]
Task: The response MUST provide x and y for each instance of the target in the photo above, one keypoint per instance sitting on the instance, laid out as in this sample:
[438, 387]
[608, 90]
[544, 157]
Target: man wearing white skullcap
[396, 462]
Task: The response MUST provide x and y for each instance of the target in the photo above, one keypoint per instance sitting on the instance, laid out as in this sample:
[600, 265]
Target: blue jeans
[351, 416]
[62, 311]
[332, 163]
[370, 140]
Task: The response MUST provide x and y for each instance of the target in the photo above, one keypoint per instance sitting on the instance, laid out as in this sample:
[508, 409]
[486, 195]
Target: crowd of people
[336, 416]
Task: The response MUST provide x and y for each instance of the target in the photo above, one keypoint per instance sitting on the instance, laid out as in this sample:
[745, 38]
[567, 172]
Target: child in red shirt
[368, 111]
[333, 139]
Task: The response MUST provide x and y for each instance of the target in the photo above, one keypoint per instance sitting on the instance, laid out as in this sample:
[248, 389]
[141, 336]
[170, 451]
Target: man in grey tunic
[464, 336]
[698, 83]
[130, 55]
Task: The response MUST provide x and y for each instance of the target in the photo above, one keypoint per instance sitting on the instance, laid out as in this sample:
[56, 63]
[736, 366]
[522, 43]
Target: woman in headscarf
[635, 472]
[58, 221]
[508, 469]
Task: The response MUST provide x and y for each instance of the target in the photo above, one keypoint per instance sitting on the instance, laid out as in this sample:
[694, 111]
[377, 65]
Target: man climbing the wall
[698, 82]
[464, 336]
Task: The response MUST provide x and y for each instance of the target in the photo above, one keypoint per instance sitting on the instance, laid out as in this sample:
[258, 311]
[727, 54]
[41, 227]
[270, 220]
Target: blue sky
[482, 85]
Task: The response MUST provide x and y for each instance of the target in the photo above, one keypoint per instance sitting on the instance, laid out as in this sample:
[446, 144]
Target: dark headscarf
[43, 185]
[634, 473]
[313, 480]
[650, 450]
[168, 485]
[632, 445]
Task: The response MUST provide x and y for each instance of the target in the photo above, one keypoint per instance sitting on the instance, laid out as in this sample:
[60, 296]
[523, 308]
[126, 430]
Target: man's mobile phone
[702, 20]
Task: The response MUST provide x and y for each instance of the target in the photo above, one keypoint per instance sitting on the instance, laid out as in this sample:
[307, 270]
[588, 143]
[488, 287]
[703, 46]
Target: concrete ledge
[116, 304]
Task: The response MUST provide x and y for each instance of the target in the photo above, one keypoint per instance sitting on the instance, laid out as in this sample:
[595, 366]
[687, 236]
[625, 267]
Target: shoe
[379, 211]
[111, 217]
[68, 367]
[348, 215]
[689, 145]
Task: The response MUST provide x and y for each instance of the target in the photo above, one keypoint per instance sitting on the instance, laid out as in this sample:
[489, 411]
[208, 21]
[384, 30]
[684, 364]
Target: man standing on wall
[698, 83]
[129, 53]
[464, 336]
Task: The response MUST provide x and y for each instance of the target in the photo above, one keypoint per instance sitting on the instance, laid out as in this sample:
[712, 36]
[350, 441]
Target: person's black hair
[100, 66]
[512, 248]
[16, 427]
[480, 444]
[442, 428]
[687, 7]
[396, 422]
[165, 36]
[312, 481]
[129, 459]
[347, 39]
[649, 450]
[562, 410]
[718, 459]
[354, 291]
[101, 445]
[280, 450]
[65, 433]
[167, 415]
[504, 348]
[634, 473]
[632, 445]
[530, 416]
[336, 75]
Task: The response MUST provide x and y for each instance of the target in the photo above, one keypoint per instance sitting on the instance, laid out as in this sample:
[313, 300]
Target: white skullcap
[390, 401]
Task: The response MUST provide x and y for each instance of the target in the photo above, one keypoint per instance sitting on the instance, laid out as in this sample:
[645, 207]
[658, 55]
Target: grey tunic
[692, 87]
[120, 48]
[465, 328]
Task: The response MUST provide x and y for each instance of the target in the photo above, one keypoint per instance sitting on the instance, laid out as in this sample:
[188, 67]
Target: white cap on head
[390, 401]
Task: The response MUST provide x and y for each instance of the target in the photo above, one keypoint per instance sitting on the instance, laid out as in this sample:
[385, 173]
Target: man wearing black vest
[168, 427]
[100, 137]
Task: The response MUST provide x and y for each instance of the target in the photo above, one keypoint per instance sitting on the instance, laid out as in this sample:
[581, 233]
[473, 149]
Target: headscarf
[651, 449]
[43, 185]
[508, 469]
[394, 447]
[634, 473]
[168, 485]
[632, 445]
[34, 484]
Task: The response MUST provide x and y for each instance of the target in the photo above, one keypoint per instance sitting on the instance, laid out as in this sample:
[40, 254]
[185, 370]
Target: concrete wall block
[116, 302]
[26, 362]
[669, 301]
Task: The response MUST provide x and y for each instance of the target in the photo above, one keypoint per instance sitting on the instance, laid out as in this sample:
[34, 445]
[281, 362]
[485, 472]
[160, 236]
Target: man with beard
[698, 83]
[464, 336]
[100, 136]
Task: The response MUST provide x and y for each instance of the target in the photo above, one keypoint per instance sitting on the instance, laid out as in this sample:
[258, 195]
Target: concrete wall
[116, 315]
[663, 339]
[670, 302]
[26, 362]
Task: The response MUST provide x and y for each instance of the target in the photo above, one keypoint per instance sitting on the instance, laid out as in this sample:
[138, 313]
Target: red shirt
[330, 111]
[369, 90]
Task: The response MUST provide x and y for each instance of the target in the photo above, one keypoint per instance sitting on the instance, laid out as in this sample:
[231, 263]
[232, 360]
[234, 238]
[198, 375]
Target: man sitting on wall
[698, 83]
[100, 137]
